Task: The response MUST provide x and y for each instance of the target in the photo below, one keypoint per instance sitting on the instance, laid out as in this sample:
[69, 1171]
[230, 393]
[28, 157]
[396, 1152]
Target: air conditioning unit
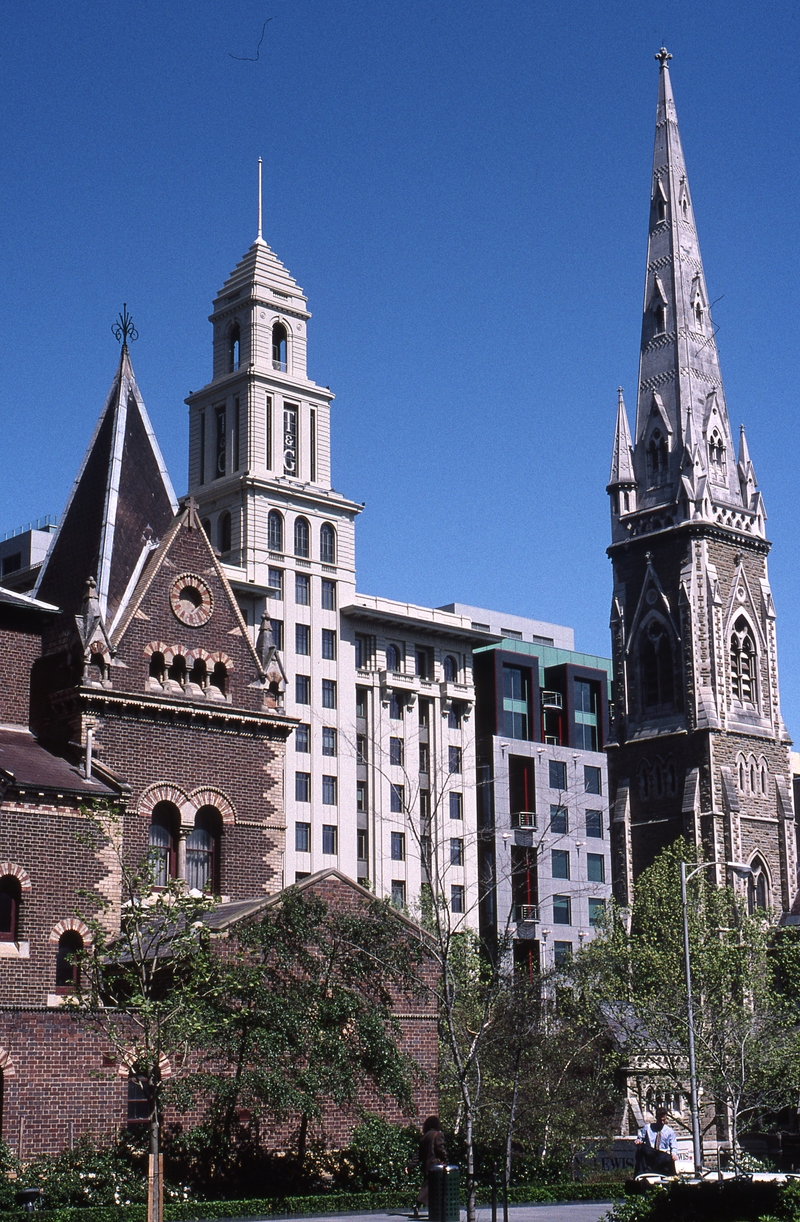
[523, 818]
[528, 913]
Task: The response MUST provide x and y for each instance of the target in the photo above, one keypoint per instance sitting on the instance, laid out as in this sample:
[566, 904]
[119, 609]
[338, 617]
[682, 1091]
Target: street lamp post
[741, 871]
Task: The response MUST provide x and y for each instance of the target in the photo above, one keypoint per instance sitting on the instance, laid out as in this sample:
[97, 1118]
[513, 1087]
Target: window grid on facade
[302, 639]
[597, 908]
[361, 797]
[302, 589]
[594, 824]
[595, 867]
[330, 835]
[562, 910]
[276, 584]
[329, 693]
[328, 740]
[558, 774]
[559, 822]
[302, 689]
[275, 531]
[560, 863]
[454, 759]
[329, 644]
[397, 795]
[456, 806]
[457, 898]
[362, 843]
[302, 738]
[456, 851]
[395, 707]
[562, 953]
[398, 846]
[396, 751]
[302, 837]
[302, 787]
[398, 893]
[328, 595]
[592, 780]
[327, 544]
[329, 791]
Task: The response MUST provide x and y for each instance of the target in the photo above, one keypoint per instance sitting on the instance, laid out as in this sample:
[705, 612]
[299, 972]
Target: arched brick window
[279, 345]
[157, 667]
[68, 968]
[219, 677]
[163, 840]
[744, 661]
[275, 531]
[10, 900]
[202, 850]
[758, 887]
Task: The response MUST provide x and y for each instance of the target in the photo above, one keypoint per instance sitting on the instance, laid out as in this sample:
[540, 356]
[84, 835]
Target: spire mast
[258, 235]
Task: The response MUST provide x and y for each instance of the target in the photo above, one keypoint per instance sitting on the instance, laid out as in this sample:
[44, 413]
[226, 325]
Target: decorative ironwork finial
[123, 329]
[662, 56]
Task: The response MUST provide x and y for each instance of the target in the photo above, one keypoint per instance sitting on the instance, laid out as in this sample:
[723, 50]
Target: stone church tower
[698, 747]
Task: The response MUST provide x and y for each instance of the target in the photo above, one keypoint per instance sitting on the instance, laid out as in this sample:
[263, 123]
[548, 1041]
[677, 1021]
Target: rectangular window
[302, 689]
[277, 632]
[361, 797]
[595, 867]
[425, 713]
[560, 863]
[398, 846]
[302, 639]
[398, 893]
[516, 702]
[329, 838]
[300, 875]
[594, 824]
[426, 852]
[521, 785]
[454, 759]
[329, 644]
[276, 584]
[395, 707]
[362, 749]
[302, 837]
[328, 595]
[302, 738]
[454, 716]
[365, 652]
[585, 737]
[425, 805]
[313, 455]
[396, 751]
[597, 910]
[290, 440]
[559, 824]
[592, 780]
[562, 953]
[202, 448]
[562, 910]
[361, 702]
[302, 787]
[422, 663]
[329, 693]
[302, 589]
[584, 697]
[456, 898]
[329, 791]
[220, 460]
[456, 806]
[456, 852]
[424, 758]
[268, 436]
[362, 843]
[328, 740]
[236, 435]
[397, 795]
[558, 774]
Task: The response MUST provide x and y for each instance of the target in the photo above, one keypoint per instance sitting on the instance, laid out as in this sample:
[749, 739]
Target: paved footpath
[571, 1211]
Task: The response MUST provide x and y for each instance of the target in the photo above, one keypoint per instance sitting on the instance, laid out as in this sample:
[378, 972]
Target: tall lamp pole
[741, 871]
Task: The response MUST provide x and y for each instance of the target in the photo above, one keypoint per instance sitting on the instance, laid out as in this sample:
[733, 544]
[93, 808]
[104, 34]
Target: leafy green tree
[745, 982]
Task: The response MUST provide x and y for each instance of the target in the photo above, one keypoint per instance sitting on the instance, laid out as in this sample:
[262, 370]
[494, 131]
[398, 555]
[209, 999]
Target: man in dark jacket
[431, 1153]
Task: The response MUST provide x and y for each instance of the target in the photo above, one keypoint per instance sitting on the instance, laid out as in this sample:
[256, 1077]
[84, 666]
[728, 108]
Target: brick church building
[130, 678]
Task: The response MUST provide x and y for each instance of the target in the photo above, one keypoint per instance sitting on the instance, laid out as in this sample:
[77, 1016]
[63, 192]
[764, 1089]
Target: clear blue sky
[462, 191]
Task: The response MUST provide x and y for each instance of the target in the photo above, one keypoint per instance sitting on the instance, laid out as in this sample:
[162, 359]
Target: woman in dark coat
[431, 1153]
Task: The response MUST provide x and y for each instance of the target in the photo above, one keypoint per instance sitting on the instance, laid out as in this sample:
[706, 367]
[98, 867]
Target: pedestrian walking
[431, 1153]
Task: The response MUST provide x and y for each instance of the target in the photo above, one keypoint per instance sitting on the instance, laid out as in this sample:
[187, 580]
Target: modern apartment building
[543, 813]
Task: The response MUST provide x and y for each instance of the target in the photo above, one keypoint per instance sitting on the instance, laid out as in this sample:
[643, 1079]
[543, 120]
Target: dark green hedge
[330, 1203]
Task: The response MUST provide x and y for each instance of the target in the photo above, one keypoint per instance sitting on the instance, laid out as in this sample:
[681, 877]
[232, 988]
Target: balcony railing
[552, 740]
[552, 700]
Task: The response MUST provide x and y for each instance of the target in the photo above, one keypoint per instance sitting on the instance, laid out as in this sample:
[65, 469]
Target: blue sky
[462, 191]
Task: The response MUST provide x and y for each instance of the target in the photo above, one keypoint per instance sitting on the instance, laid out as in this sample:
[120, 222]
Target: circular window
[191, 600]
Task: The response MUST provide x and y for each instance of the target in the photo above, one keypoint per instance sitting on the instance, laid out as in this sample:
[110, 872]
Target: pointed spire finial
[663, 56]
[123, 329]
[258, 235]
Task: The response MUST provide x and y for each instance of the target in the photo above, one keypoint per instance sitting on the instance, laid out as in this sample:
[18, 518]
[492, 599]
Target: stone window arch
[68, 966]
[763, 776]
[203, 850]
[163, 842]
[234, 347]
[657, 457]
[275, 531]
[280, 347]
[14, 883]
[744, 664]
[716, 453]
[450, 667]
[327, 544]
[758, 886]
[302, 538]
[656, 666]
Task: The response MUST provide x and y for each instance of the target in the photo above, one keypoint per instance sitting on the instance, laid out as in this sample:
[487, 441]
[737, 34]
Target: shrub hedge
[329, 1203]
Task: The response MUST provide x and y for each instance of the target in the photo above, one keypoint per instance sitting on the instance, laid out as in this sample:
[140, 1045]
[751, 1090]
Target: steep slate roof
[24, 602]
[120, 504]
[25, 763]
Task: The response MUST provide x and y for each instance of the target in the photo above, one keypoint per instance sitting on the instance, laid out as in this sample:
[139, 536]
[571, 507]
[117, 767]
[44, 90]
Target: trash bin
[443, 1199]
[29, 1198]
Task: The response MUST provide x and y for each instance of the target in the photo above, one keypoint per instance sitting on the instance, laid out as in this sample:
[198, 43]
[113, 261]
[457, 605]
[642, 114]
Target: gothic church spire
[681, 416]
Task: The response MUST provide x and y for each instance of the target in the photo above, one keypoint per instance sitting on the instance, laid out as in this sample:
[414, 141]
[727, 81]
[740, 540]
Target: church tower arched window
[657, 458]
[656, 665]
[234, 347]
[757, 887]
[716, 454]
[743, 663]
[279, 343]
